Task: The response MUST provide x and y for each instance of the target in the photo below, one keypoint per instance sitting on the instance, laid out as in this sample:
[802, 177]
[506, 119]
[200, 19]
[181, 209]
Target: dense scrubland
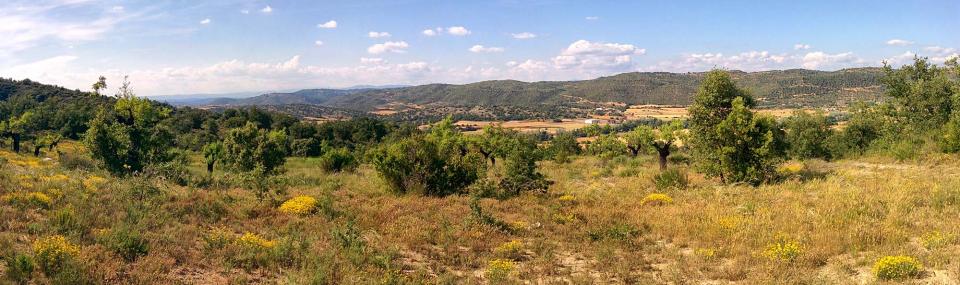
[143, 193]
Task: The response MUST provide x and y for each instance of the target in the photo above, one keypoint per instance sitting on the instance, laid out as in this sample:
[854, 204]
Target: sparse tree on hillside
[562, 146]
[130, 136]
[101, 84]
[807, 135]
[711, 105]
[251, 148]
[922, 93]
[16, 128]
[661, 140]
[212, 153]
[750, 146]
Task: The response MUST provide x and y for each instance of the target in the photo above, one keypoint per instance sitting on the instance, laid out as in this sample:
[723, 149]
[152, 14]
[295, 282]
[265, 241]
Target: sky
[191, 47]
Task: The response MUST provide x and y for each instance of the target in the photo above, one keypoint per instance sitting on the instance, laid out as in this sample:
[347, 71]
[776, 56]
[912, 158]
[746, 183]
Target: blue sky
[177, 47]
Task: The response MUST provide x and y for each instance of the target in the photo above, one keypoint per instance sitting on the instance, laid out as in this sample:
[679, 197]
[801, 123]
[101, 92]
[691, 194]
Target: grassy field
[827, 224]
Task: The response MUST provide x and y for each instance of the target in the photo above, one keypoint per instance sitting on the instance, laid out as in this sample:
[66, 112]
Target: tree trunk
[634, 150]
[16, 143]
[210, 167]
[36, 150]
[663, 153]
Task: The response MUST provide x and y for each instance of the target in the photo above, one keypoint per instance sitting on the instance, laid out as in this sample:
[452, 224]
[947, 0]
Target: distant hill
[786, 88]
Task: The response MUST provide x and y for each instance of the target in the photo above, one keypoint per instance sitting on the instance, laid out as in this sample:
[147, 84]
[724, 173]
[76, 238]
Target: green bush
[126, 242]
[19, 268]
[338, 160]
[671, 178]
[424, 165]
[807, 134]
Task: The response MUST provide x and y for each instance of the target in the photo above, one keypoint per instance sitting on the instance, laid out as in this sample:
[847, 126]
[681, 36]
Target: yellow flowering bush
[52, 252]
[56, 178]
[896, 267]
[255, 241]
[520, 226]
[783, 250]
[500, 269]
[37, 199]
[93, 183]
[299, 205]
[563, 219]
[656, 199]
[791, 169]
[706, 253]
[567, 198]
[935, 239]
[512, 250]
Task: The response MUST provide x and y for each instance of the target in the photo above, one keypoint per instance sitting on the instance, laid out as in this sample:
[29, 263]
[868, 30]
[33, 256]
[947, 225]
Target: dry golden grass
[590, 228]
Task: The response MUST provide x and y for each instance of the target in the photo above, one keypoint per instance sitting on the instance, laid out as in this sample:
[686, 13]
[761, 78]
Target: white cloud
[375, 35]
[244, 11]
[592, 18]
[899, 42]
[822, 60]
[523, 36]
[938, 50]
[429, 32]
[205, 21]
[23, 27]
[42, 69]
[394, 47]
[117, 9]
[318, 43]
[371, 60]
[328, 25]
[480, 48]
[801, 46]
[597, 56]
[458, 31]
[267, 10]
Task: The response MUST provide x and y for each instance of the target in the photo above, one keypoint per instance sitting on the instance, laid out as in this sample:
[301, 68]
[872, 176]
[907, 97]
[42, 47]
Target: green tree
[250, 148]
[607, 147]
[521, 168]
[661, 140]
[711, 105]
[212, 153]
[923, 94]
[129, 137]
[17, 128]
[750, 146]
[562, 146]
[101, 84]
[426, 164]
[807, 135]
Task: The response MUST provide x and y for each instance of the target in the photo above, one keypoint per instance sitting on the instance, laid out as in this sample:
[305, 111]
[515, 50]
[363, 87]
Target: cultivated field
[679, 112]
[528, 125]
[827, 224]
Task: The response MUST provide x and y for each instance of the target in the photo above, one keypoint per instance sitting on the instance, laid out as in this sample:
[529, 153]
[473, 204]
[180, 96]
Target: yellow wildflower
[299, 205]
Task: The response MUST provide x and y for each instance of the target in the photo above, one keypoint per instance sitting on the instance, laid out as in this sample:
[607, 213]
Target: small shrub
[126, 242]
[896, 267]
[671, 178]
[567, 199]
[656, 199]
[338, 160]
[93, 183]
[512, 250]
[300, 205]
[217, 238]
[31, 199]
[19, 268]
[793, 169]
[935, 239]
[564, 219]
[706, 253]
[53, 253]
[499, 270]
[783, 250]
[252, 240]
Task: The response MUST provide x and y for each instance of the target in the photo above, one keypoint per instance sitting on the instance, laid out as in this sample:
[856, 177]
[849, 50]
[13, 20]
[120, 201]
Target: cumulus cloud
[375, 35]
[372, 60]
[244, 11]
[481, 48]
[523, 36]
[328, 25]
[822, 60]
[318, 43]
[394, 47]
[599, 56]
[267, 10]
[801, 46]
[429, 32]
[899, 42]
[458, 31]
[592, 18]
[205, 21]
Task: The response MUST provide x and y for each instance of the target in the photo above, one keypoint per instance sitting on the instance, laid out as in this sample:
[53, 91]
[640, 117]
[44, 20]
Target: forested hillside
[796, 87]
